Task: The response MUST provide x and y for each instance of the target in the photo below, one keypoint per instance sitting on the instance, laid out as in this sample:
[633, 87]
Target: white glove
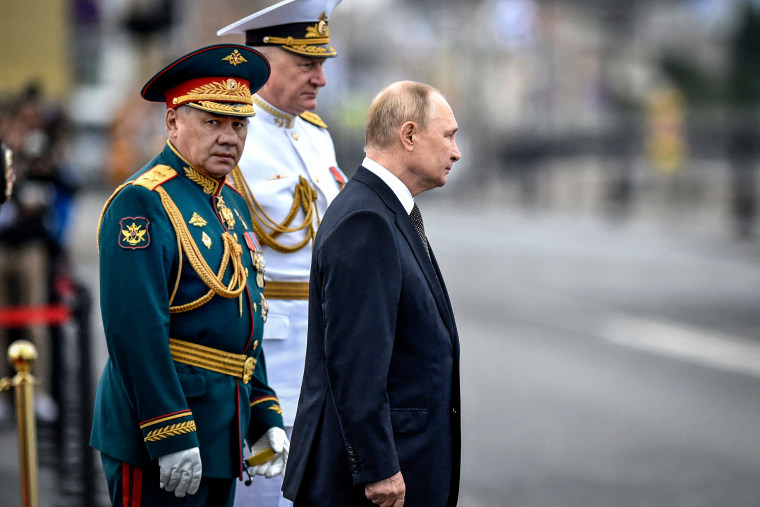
[280, 444]
[181, 471]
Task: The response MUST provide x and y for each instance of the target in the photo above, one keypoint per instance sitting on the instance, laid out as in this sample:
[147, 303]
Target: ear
[171, 122]
[407, 133]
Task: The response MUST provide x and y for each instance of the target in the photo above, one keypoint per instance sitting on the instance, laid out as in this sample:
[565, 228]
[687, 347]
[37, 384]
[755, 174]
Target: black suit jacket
[380, 391]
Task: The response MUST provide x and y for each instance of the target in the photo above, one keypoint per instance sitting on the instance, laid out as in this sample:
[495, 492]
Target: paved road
[603, 363]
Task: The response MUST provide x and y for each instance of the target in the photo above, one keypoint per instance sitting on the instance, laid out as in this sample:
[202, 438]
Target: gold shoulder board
[155, 177]
[313, 119]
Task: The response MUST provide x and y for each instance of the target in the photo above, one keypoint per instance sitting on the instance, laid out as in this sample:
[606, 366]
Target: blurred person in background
[289, 177]
[379, 413]
[33, 224]
[182, 299]
[8, 176]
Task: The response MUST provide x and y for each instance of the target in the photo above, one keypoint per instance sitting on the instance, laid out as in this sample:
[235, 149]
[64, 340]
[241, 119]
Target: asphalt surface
[604, 362]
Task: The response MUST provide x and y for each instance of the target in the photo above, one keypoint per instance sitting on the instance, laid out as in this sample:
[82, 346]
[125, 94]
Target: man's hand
[388, 492]
[181, 471]
[278, 441]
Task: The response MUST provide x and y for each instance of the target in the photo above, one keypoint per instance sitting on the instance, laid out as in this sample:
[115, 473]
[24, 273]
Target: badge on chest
[257, 257]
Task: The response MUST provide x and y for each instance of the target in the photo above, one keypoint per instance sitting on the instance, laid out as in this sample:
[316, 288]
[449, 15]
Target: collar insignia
[209, 185]
[280, 119]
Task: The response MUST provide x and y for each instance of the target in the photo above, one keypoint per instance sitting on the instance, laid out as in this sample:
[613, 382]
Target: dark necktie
[416, 217]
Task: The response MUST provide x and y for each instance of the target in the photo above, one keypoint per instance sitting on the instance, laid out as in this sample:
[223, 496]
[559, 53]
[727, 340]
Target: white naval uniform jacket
[279, 148]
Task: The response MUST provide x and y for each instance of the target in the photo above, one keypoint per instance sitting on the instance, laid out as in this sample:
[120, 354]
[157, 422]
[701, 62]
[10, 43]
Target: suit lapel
[405, 225]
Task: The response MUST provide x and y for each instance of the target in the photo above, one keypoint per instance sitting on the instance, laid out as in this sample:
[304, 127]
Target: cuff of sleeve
[265, 413]
[363, 473]
[170, 433]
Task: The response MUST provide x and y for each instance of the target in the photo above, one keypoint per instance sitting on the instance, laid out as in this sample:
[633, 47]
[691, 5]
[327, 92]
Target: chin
[220, 171]
[309, 105]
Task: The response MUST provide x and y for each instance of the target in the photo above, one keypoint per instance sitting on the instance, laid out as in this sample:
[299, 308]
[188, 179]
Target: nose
[318, 76]
[455, 154]
[228, 135]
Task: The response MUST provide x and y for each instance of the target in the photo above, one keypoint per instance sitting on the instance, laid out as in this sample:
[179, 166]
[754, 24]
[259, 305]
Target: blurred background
[599, 236]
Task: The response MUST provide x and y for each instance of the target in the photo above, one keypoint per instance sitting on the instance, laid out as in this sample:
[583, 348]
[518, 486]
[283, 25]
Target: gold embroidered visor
[220, 79]
[219, 95]
[306, 39]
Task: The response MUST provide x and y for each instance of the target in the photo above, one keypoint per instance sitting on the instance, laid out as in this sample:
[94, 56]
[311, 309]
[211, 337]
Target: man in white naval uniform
[289, 176]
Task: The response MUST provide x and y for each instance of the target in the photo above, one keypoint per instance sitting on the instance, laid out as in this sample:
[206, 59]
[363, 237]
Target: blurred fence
[64, 447]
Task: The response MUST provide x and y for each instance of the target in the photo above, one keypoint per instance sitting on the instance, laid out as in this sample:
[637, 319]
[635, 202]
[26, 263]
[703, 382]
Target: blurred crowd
[33, 224]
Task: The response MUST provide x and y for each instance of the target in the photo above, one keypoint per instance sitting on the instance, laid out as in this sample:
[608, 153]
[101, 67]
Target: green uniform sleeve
[138, 252]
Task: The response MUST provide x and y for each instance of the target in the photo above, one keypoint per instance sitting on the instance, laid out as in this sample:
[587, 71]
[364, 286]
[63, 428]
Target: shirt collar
[390, 179]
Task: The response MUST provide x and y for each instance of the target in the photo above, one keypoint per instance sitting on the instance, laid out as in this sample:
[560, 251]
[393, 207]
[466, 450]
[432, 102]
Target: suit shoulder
[155, 177]
[314, 119]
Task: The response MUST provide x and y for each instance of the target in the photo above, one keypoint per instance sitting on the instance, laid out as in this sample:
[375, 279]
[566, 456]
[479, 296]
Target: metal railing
[72, 369]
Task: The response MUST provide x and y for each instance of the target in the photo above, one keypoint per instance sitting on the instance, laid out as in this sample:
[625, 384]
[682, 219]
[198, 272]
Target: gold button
[255, 308]
[255, 344]
[294, 136]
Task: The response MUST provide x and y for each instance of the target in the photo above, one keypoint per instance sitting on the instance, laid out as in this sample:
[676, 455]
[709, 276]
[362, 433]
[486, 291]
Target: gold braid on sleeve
[232, 252]
[304, 197]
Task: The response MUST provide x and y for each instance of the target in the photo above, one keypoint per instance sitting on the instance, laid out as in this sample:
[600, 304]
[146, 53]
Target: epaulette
[155, 177]
[314, 119]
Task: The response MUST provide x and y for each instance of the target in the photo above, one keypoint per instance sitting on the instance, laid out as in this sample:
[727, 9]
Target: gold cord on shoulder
[233, 252]
[304, 198]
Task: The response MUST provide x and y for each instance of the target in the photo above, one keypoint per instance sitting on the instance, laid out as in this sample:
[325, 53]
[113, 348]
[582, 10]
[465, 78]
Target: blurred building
[551, 94]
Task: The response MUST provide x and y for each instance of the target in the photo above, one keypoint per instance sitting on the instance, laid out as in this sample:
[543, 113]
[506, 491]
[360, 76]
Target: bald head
[410, 130]
[401, 102]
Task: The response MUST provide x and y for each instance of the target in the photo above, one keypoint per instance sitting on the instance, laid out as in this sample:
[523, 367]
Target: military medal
[257, 257]
[339, 179]
[225, 212]
[245, 226]
[264, 308]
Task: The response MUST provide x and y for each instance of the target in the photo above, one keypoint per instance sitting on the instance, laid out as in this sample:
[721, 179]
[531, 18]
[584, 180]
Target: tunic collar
[275, 116]
[210, 185]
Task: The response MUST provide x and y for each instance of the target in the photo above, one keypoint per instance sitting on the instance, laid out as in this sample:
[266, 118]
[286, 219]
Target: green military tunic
[178, 261]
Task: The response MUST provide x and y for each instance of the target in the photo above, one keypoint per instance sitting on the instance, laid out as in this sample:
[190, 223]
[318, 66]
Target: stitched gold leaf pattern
[170, 431]
[228, 87]
[208, 185]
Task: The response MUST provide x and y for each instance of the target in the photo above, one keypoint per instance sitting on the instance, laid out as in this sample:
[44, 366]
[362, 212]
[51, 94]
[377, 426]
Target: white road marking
[688, 343]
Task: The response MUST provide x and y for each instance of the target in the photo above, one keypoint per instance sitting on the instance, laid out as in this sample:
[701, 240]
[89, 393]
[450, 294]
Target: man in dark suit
[378, 418]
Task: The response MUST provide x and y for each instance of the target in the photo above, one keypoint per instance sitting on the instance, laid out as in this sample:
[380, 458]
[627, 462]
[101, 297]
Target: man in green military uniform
[182, 299]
